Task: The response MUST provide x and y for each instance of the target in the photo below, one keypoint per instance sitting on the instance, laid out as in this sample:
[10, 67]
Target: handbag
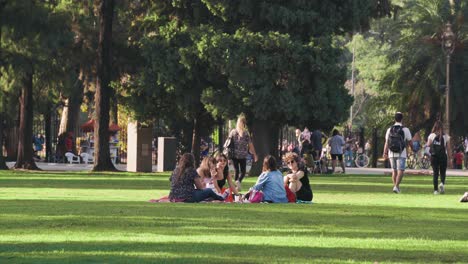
[229, 148]
[255, 196]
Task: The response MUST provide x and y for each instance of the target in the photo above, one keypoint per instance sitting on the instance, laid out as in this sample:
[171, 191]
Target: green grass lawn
[105, 218]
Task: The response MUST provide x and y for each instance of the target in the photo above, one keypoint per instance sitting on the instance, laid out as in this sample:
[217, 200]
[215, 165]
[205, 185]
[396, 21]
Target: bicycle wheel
[411, 161]
[362, 161]
[426, 162]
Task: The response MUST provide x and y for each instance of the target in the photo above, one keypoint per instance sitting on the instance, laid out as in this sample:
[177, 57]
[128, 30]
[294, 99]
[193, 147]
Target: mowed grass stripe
[355, 219]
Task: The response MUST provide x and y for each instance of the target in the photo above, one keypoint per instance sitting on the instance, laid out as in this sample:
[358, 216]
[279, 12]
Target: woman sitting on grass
[222, 173]
[214, 173]
[270, 182]
[207, 172]
[297, 179]
[183, 180]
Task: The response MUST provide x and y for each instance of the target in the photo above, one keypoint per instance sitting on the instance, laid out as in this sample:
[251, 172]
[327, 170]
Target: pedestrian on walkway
[336, 144]
[439, 145]
[397, 140]
[242, 146]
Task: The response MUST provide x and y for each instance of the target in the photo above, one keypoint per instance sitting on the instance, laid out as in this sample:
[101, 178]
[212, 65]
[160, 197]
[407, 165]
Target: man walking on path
[397, 140]
[336, 143]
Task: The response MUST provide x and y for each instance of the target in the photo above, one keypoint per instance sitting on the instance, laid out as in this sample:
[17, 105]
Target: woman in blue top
[270, 182]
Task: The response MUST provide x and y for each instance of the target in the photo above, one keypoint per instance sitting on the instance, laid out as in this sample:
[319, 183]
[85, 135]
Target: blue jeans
[201, 195]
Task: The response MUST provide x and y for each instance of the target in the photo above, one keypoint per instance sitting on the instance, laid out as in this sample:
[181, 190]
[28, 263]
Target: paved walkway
[123, 167]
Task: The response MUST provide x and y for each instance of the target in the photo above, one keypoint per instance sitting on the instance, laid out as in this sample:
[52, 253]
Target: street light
[448, 46]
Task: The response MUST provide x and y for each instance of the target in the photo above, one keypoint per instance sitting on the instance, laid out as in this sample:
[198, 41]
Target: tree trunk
[71, 110]
[196, 140]
[3, 165]
[64, 118]
[220, 135]
[265, 137]
[25, 150]
[375, 150]
[114, 118]
[103, 90]
[48, 136]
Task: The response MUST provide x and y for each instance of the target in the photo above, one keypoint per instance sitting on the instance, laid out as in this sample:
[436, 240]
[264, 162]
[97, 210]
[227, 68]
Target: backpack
[396, 139]
[438, 146]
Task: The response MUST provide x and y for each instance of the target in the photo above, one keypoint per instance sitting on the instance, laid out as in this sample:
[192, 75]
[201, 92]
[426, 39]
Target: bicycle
[415, 160]
[361, 160]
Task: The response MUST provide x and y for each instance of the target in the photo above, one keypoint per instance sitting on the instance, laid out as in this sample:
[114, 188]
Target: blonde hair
[205, 166]
[241, 124]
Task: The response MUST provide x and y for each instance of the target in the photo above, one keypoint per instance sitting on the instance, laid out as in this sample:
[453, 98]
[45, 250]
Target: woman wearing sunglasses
[297, 178]
[223, 175]
[214, 173]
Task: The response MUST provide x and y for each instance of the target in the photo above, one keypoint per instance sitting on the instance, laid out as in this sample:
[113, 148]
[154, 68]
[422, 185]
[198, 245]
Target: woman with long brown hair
[439, 145]
[184, 179]
[215, 173]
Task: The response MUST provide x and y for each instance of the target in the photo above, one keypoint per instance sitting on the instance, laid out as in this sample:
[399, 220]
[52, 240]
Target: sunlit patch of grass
[83, 217]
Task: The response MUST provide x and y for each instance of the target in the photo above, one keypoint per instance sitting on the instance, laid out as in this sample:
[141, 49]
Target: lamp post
[448, 46]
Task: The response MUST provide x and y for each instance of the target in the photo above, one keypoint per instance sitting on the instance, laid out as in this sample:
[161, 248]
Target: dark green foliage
[273, 59]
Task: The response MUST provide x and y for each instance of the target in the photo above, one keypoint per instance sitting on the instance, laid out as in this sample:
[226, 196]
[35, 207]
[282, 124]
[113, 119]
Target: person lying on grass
[270, 182]
[184, 179]
[297, 179]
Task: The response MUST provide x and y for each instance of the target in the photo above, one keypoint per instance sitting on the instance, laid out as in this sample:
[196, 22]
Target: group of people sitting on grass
[208, 182]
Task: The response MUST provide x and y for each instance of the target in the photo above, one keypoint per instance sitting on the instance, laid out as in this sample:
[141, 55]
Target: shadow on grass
[203, 252]
[92, 183]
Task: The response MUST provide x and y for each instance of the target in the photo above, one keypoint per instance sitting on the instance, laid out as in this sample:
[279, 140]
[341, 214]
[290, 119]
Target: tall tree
[274, 60]
[28, 47]
[3, 165]
[103, 88]
[282, 62]
[415, 38]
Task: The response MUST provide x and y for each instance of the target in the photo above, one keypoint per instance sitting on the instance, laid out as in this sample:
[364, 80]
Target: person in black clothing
[297, 178]
[439, 144]
[223, 175]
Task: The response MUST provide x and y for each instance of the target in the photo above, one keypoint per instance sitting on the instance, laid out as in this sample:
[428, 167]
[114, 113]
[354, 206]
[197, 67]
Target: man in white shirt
[397, 140]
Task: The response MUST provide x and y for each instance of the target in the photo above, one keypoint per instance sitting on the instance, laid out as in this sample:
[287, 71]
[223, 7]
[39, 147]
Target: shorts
[398, 163]
[335, 156]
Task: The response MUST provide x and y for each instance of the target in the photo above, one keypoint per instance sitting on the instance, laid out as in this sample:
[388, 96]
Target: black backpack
[438, 146]
[396, 139]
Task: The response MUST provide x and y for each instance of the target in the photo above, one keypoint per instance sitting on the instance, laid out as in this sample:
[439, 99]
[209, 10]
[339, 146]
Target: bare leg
[394, 178]
[295, 186]
[399, 178]
[333, 165]
[342, 166]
